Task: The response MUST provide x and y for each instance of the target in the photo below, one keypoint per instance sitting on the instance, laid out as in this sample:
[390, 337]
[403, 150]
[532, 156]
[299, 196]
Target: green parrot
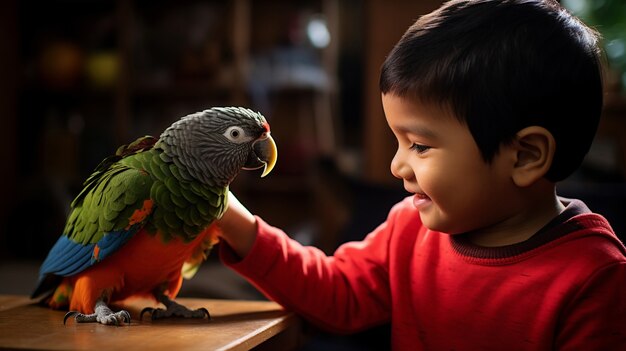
[145, 217]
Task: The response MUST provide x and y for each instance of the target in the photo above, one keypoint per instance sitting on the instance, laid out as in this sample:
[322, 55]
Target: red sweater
[563, 289]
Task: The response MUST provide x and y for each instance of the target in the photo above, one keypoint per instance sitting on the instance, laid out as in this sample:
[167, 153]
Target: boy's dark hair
[501, 66]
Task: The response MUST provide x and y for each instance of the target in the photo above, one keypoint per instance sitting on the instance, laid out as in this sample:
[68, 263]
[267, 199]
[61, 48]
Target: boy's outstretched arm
[346, 292]
[239, 227]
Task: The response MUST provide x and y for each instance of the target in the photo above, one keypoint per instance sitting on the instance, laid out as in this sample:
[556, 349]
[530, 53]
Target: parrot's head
[215, 144]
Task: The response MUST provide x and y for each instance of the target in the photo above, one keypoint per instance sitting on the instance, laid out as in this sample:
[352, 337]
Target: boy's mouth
[420, 200]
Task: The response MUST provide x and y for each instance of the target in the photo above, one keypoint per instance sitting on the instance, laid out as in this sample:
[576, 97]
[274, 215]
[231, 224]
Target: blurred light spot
[578, 7]
[615, 48]
[317, 32]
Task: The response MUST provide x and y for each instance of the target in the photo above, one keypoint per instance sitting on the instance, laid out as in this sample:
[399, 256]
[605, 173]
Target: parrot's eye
[236, 135]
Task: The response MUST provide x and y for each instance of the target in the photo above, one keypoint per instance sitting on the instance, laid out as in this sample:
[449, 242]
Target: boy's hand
[238, 226]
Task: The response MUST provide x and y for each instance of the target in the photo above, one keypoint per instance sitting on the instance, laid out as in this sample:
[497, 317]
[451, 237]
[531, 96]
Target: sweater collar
[558, 227]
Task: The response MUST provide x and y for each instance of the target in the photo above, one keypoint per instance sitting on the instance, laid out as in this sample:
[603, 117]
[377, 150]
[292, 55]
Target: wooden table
[235, 325]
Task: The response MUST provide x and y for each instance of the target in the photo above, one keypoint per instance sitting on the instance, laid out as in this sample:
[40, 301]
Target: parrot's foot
[172, 309]
[113, 318]
[103, 315]
[175, 310]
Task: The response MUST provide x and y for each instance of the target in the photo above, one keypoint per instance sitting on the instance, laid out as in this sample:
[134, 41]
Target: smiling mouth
[416, 193]
[420, 200]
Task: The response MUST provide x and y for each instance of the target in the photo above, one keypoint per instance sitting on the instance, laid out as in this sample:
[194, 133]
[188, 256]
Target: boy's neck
[533, 214]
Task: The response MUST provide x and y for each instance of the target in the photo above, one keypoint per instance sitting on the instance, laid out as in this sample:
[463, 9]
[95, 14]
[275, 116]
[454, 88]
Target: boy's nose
[399, 168]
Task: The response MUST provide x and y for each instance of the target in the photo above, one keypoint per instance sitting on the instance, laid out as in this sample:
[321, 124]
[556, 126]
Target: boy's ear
[533, 150]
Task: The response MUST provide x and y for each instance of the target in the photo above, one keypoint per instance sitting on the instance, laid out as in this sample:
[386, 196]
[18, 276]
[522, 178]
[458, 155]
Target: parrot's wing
[114, 204]
[200, 254]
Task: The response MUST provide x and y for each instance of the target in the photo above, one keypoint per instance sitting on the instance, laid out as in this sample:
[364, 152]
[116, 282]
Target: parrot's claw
[103, 318]
[69, 314]
[205, 312]
[147, 309]
[175, 311]
[201, 313]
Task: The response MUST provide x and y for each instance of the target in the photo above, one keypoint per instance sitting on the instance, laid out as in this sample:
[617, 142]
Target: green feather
[182, 214]
[172, 220]
[165, 158]
[179, 201]
[185, 175]
[165, 169]
[130, 197]
[189, 195]
[189, 230]
[165, 201]
[108, 215]
[194, 216]
[158, 220]
[159, 193]
[215, 201]
[176, 173]
[203, 208]
[120, 222]
[196, 187]
[107, 226]
[155, 170]
[173, 185]
[117, 204]
[183, 207]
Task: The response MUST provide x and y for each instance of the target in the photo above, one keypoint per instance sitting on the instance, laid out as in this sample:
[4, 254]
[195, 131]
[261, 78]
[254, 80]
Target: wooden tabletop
[235, 325]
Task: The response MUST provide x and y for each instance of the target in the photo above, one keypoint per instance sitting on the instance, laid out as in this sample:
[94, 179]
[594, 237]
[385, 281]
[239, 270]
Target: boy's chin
[439, 226]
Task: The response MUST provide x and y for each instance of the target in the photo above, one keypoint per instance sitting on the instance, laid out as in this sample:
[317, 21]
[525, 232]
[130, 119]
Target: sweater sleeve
[343, 293]
[596, 319]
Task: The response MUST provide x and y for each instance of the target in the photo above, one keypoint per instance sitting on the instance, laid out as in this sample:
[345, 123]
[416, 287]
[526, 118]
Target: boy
[492, 103]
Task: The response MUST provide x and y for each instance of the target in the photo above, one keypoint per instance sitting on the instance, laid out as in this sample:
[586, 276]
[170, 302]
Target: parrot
[146, 217]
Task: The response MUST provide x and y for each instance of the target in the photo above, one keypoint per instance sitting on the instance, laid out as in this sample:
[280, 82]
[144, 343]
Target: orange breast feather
[136, 269]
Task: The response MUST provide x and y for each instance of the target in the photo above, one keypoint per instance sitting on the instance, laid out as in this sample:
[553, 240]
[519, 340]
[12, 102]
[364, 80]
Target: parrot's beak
[264, 155]
[270, 155]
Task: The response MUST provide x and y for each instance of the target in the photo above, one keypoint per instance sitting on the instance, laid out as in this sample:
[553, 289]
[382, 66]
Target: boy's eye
[420, 148]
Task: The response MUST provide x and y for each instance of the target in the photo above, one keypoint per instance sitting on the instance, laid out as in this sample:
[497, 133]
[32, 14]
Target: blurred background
[80, 78]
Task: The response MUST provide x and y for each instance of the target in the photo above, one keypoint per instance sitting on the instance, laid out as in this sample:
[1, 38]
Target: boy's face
[456, 191]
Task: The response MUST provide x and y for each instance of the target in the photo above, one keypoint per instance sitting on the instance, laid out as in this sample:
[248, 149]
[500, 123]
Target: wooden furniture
[382, 34]
[235, 325]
